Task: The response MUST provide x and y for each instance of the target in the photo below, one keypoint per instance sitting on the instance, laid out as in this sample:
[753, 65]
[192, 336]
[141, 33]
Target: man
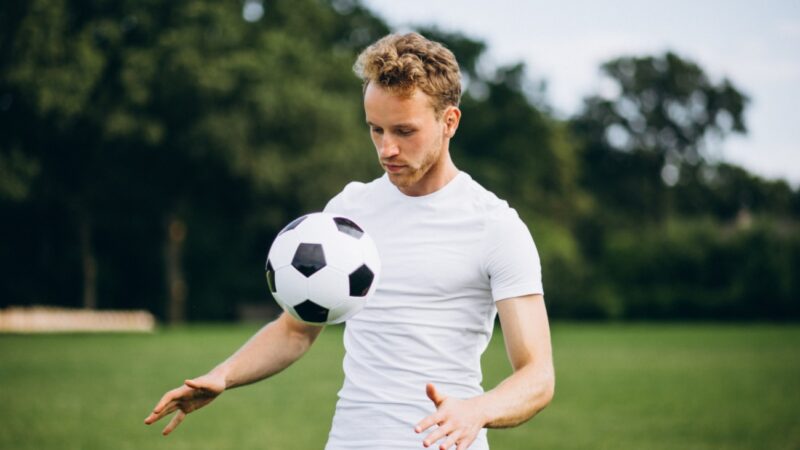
[453, 257]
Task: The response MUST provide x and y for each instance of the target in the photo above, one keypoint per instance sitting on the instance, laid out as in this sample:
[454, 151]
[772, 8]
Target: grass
[618, 386]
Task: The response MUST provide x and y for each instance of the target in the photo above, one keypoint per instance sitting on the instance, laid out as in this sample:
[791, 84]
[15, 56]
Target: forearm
[519, 397]
[530, 388]
[273, 348]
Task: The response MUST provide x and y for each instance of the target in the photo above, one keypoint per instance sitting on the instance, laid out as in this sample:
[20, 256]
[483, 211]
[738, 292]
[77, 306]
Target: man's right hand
[192, 395]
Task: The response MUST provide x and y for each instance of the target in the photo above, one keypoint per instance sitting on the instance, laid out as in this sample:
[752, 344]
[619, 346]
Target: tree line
[150, 151]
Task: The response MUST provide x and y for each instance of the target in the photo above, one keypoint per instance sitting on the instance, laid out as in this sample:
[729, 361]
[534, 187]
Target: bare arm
[272, 349]
[517, 398]
[530, 388]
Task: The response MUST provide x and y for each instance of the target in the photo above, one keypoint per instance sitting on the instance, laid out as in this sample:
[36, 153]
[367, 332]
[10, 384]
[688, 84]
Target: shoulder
[504, 229]
[509, 256]
[495, 211]
[354, 193]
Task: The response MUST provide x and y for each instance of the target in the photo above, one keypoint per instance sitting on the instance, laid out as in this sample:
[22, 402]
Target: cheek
[432, 144]
[422, 143]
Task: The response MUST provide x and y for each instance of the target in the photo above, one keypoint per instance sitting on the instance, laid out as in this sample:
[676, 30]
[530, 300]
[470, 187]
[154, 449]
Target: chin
[403, 180]
[399, 181]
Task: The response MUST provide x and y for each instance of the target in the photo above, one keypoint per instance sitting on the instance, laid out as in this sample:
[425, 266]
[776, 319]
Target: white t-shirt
[446, 257]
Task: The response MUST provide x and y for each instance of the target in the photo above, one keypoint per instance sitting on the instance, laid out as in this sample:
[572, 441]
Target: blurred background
[150, 151]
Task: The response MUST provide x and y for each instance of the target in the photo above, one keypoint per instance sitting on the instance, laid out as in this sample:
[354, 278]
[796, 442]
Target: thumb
[204, 383]
[433, 394]
[196, 383]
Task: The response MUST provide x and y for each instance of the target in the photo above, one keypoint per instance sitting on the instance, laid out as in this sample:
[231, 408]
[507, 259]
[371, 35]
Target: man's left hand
[459, 421]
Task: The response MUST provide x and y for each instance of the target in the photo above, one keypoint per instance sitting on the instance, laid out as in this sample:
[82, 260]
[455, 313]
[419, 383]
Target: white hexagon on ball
[290, 286]
[283, 249]
[325, 287]
[323, 268]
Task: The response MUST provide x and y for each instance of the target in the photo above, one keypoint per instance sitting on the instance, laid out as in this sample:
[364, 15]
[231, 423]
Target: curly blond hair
[402, 63]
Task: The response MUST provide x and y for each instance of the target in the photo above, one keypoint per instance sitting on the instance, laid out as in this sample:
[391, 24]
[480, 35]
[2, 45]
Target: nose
[387, 147]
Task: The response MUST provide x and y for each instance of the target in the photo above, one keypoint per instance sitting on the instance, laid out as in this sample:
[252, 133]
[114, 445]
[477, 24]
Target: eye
[404, 132]
[376, 130]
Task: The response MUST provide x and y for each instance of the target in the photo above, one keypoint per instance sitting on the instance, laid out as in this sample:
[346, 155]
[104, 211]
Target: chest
[437, 252]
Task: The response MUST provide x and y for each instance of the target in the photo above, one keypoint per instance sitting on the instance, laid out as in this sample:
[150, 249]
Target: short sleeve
[334, 205]
[338, 204]
[511, 259]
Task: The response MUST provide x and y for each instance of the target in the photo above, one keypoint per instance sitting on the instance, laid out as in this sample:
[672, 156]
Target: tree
[666, 105]
[51, 69]
[728, 192]
[667, 114]
[135, 116]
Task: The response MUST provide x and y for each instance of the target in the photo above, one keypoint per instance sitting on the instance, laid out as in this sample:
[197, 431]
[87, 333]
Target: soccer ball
[322, 268]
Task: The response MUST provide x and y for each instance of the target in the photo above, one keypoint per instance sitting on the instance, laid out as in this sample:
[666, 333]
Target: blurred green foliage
[150, 151]
[698, 269]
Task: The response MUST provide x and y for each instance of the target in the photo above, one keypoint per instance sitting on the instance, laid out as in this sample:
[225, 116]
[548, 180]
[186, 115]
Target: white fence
[41, 319]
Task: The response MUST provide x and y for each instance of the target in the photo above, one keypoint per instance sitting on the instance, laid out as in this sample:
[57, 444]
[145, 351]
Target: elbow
[303, 338]
[300, 334]
[542, 395]
[549, 389]
[542, 385]
[545, 390]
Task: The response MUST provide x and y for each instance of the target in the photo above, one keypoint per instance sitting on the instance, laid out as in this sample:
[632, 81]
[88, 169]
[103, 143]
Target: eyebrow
[397, 125]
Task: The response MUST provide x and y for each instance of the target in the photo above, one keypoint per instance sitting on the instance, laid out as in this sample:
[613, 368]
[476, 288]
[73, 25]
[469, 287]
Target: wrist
[483, 407]
[222, 375]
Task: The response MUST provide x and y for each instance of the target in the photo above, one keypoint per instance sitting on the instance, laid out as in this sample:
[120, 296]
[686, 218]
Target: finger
[427, 422]
[201, 384]
[435, 435]
[450, 441]
[464, 443]
[157, 415]
[163, 402]
[433, 394]
[205, 384]
[467, 438]
[195, 384]
[174, 422]
[170, 396]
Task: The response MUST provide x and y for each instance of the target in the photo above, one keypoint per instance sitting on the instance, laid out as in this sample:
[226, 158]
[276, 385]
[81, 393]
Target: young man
[453, 257]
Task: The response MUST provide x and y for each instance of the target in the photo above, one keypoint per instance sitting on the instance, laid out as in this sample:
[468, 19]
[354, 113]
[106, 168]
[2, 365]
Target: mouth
[393, 168]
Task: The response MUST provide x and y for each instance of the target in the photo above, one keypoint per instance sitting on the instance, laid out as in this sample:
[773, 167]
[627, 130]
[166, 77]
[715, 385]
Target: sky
[756, 45]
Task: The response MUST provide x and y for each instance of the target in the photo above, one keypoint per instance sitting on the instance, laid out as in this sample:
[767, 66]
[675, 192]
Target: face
[411, 141]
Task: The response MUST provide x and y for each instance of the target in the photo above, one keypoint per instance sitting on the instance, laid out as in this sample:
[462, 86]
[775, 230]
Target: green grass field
[618, 387]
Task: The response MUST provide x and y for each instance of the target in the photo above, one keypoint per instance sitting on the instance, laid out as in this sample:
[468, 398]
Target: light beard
[415, 174]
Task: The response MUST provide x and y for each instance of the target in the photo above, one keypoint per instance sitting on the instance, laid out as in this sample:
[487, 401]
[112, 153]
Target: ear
[451, 117]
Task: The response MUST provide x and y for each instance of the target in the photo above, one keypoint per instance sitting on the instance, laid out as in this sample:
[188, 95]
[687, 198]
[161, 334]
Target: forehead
[384, 107]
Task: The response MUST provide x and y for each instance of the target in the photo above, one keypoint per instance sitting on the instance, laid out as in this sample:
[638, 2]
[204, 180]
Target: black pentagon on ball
[360, 281]
[348, 227]
[311, 312]
[271, 278]
[308, 259]
[293, 224]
